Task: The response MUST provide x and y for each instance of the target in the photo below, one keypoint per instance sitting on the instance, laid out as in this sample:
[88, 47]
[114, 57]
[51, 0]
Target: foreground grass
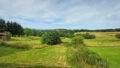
[50, 57]
[110, 53]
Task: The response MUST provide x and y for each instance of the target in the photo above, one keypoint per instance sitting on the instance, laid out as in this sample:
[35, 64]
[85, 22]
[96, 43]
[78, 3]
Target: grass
[110, 53]
[50, 57]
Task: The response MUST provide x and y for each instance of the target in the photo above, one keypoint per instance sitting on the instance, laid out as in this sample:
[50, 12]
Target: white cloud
[68, 11]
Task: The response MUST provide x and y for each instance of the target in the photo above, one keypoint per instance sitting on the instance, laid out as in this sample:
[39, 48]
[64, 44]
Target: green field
[55, 56]
[110, 53]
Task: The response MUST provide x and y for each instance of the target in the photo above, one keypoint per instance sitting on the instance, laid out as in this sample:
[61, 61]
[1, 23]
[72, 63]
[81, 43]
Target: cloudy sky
[56, 14]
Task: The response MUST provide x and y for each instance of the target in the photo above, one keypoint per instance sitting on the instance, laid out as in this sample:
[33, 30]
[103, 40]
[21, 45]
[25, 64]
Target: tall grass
[16, 45]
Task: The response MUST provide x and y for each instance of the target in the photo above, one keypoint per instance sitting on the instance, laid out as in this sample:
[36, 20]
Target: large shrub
[51, 38]
[77, 40]
[118, 36]
[88, 36]
[66, 33]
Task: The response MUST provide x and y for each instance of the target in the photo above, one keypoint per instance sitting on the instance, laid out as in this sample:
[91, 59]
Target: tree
[88, 36]
[14, 28]
[51, 38]
[77, 40]
[2, 25]
[28, 32]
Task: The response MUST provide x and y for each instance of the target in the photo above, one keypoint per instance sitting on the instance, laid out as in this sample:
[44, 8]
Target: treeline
[32, 32]
[12, 27]
[16, 29]
[99, 30]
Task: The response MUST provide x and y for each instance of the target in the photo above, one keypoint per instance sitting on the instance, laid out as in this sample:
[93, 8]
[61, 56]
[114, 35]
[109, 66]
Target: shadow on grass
[9, 65]
[4, 51]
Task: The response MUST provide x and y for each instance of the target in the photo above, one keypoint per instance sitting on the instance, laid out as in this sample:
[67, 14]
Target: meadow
[55, 56]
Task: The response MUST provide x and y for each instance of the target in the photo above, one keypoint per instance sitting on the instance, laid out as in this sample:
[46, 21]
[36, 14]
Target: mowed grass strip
[110, 53]
[52, 56]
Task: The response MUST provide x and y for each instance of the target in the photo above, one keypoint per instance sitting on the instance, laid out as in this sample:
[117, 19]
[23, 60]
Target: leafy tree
[28, 32]
[51, 38]
[88, 36]
[66, 33]
[77, 40]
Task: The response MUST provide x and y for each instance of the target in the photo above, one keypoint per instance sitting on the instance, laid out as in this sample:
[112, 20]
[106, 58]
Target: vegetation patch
[16, 45]
[81, 57]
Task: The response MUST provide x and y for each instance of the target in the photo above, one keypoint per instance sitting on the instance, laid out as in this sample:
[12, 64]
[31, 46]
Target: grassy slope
[111, 53]
[52, 56]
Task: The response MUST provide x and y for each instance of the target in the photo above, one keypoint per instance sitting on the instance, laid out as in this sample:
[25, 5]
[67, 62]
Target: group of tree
[12, 27]
[86, 35]
[32, 32]
[65, 33]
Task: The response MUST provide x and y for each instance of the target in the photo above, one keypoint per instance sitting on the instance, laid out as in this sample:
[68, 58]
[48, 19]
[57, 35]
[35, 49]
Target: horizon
[62, 14]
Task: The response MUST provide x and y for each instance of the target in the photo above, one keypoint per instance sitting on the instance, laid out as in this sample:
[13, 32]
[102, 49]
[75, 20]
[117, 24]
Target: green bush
[7, 36]
[117, 36]
[69, 35]
[51, 38]
[88, 36]
[66, 33]
[77, 40]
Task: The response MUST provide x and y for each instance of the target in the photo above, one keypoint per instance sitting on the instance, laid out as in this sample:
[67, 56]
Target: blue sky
[62, 14]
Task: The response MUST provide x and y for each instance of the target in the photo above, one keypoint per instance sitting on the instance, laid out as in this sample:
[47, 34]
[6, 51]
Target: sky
[62, 14]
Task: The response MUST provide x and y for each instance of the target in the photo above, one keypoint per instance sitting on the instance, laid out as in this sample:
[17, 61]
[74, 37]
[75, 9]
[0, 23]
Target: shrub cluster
[77, 41]
[118, 36]
[51, 38]
[66, 34]
[87, 36]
